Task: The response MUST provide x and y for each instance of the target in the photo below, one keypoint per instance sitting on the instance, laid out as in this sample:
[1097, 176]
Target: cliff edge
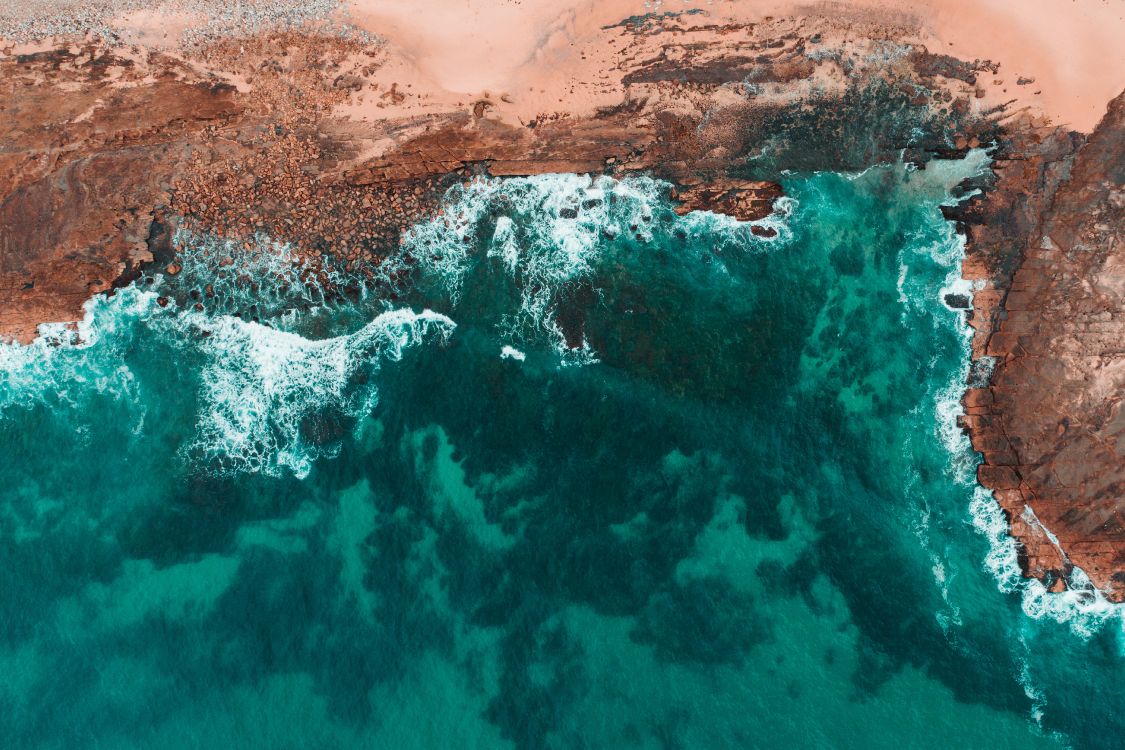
[1050, 324]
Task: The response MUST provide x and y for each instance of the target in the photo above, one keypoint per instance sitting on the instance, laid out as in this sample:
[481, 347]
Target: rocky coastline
[104, 144]
[1044, 406]
[106, 149]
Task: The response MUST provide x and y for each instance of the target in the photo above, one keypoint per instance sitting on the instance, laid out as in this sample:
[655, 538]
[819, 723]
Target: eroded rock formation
[105, 150]
[89, 144]
[1050, 323]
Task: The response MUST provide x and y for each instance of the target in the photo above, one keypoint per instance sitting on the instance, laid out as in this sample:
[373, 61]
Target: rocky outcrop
[240, 137]
[89, 144]
[744, 200]
[1050, 324]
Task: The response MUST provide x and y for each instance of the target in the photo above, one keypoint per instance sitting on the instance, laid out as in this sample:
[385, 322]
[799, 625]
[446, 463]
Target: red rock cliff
[1050, 421]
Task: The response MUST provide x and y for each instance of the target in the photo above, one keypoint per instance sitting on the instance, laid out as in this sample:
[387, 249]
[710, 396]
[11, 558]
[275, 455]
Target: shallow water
[621, 480]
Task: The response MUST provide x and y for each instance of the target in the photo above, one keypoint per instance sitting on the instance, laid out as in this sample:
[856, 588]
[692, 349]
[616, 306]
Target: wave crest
[271, 395]
[547, 233]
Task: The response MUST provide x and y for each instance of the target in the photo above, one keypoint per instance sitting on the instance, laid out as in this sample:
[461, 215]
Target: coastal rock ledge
[320, 141]
[1050, 322]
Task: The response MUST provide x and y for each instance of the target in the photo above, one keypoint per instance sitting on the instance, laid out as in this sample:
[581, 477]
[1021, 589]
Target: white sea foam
[948, 409]
[261, 384]
[549, 232]
[54, 366]
[558, 220]
[261, 278]
[730, 233]
[510, 352]
[258, 385]
[920, 525]
[1030, 689]
[947, 251]
[1082, 607]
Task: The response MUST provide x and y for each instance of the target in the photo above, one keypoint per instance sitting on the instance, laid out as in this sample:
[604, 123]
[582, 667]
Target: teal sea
[572, 472]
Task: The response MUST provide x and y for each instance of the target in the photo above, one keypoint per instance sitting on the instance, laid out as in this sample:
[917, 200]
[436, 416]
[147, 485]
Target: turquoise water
[571, 471]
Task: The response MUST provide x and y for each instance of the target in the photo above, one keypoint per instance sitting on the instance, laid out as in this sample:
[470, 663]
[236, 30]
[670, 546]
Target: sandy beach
[544, 56]
[550, 55]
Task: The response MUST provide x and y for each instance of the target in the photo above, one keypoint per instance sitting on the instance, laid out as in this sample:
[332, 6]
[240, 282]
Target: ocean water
[571, 471]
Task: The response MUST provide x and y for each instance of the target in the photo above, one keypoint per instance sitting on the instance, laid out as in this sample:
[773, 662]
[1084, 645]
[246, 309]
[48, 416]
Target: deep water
[574, 472]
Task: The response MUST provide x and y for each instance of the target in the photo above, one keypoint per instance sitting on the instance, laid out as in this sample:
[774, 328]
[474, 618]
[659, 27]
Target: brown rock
[1051, 424]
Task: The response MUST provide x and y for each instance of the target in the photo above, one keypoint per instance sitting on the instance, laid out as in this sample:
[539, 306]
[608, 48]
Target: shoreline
[280, 149]
[336, 144]
[1048, 321]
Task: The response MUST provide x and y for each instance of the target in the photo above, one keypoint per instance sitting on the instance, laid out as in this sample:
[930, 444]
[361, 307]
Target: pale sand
[1072, 48]
[534, 49]
[554, 55]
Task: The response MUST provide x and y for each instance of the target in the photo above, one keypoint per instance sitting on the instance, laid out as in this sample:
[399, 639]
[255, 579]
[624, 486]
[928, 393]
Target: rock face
[106, 150]
[89, 142]
[742, 200]
[1050, 421]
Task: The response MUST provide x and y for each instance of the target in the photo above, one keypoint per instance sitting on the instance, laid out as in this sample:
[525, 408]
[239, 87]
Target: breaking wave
[267, 399]
[1083, 608]
[54, 370]
[546, 233]
[283, 367]
[274, 398]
